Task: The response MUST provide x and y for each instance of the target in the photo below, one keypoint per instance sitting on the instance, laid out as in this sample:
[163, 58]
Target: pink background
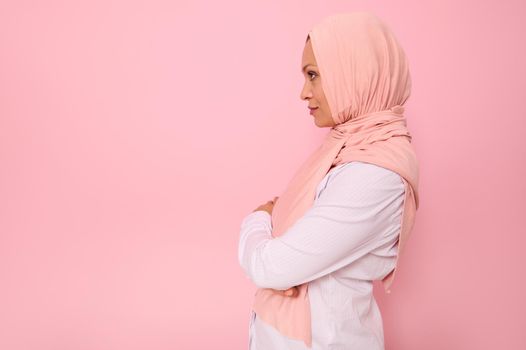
[135, 136]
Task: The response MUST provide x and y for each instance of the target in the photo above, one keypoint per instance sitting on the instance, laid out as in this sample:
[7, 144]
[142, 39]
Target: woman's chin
[319, 124]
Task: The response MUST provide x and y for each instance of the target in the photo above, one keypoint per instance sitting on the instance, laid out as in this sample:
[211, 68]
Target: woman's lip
[312, 110]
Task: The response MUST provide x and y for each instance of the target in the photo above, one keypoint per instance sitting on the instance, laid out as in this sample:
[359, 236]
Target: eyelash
[309, 73]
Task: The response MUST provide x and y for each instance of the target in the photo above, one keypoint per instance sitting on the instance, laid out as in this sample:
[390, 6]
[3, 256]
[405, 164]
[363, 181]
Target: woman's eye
[311, 72]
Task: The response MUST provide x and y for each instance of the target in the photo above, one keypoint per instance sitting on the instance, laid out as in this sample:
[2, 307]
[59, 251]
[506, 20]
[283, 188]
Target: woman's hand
[291, 292]
[268, 207]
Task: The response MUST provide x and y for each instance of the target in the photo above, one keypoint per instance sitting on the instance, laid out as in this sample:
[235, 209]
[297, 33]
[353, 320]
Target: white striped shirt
[347, 239]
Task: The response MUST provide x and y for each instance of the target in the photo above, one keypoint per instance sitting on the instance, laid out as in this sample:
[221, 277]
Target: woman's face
[312, 91]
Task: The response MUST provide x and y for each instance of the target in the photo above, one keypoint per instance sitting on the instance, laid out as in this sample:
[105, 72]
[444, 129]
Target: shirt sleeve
[352, 216]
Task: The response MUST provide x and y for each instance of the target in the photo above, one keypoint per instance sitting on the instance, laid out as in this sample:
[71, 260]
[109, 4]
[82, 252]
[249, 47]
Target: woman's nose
[305, 93]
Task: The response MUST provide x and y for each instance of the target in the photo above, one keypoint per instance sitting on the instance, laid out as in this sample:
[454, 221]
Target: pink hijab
[365, 78]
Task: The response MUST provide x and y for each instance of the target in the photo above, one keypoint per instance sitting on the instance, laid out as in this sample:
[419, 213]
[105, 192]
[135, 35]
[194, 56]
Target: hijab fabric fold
[366, 80]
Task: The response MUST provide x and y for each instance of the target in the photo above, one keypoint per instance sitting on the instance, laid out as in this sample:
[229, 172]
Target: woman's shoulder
[362, 191]
[357, 176]
[365, 171]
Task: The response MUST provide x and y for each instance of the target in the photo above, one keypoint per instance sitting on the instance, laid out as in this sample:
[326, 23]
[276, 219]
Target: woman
[345, 216]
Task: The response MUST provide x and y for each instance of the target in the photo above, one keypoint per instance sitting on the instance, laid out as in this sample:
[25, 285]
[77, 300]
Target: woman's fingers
[291, 292]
